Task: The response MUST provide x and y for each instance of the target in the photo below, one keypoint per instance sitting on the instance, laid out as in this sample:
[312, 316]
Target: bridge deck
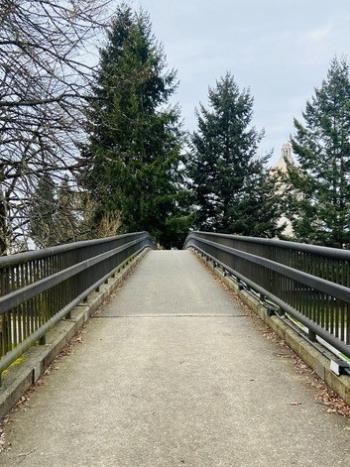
[173, 372]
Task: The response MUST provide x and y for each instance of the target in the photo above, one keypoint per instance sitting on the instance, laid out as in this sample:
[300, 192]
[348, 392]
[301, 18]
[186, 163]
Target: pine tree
[132, 159]
[42, 213]
[319, 198]
[66, 222]
[233, 191]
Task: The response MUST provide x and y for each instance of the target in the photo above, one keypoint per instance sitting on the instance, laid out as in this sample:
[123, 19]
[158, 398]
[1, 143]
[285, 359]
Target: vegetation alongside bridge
[96, 151]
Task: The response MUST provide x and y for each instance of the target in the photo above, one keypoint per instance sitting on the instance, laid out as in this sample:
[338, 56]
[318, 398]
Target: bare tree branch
[43, 84]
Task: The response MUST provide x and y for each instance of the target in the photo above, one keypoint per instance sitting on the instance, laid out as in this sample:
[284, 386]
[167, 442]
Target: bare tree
[43, 84]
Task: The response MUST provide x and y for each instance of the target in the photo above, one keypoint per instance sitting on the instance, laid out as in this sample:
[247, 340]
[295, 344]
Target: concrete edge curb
[21, 375]
[313, 358]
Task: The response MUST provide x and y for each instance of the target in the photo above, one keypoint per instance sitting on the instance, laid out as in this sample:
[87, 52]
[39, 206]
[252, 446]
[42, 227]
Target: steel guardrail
[310, 283]
[39, 288]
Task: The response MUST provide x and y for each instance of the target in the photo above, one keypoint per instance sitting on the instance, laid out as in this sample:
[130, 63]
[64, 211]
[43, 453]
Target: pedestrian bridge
[174, 369]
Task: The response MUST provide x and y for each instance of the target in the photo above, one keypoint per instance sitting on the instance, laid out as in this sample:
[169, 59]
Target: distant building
[281, 166]
[286, 155]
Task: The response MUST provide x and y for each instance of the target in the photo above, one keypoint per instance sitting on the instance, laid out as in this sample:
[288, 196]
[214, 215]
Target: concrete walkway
[174, 373]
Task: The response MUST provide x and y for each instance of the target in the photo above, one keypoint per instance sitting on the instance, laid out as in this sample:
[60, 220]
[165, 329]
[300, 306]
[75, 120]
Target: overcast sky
[280, 49]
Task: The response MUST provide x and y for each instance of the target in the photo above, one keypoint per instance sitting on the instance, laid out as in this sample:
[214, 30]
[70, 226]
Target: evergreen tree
[233, 191]
[42, 213]
[131, 163]
[66, 222]
[319, 197]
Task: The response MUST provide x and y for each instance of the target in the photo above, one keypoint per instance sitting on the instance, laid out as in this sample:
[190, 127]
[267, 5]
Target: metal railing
[310, 283]
[39, 288]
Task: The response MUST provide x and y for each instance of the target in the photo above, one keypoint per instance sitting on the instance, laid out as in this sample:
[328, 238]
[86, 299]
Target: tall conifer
[319, 197]
[131, 162]
[233, 191]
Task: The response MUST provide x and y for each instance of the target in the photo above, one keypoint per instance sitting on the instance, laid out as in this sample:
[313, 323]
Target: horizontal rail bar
[44, 252]
[283, 305]
[309, 283]
[323, 285]
[39, 288]
[19, 296]
[39, 333]
[314, 249]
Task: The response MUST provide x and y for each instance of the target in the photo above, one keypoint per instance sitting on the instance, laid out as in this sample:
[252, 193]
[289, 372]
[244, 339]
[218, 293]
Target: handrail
[304, 281]
[304, 247]
[44, 252]
[19, 296]
[39, 288]
[331, 288]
